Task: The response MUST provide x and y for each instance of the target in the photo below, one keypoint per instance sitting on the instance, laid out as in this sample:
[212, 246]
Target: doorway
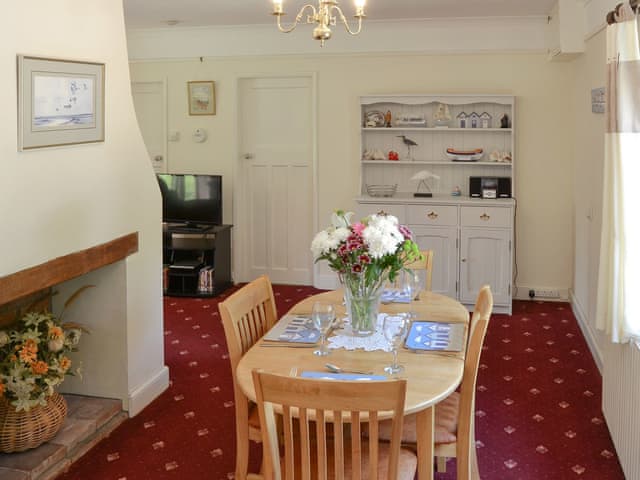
[275, 193]
[149, 100]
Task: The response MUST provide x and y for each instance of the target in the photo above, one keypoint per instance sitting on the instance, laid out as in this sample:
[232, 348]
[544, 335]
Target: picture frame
[60, 102]
[202, 97]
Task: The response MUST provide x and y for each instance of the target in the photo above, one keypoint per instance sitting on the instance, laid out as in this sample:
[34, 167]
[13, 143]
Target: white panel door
[443, 242]
[275, 215]
[149, 100]
[485, 259]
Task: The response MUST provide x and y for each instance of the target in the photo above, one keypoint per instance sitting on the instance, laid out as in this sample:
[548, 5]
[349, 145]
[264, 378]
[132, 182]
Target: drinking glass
[322, 314]
[395, 328]
[411, 284]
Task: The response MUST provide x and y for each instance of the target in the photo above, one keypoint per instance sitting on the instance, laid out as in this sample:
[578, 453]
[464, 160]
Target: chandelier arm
[345, 22]
[297, 20]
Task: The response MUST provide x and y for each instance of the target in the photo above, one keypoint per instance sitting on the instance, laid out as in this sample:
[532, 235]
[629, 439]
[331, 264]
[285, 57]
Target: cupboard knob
[485, 217]
[463, 260]
[432, 215]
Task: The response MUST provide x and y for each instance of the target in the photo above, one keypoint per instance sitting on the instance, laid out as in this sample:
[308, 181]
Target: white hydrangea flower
[382, 235]
[327, 240]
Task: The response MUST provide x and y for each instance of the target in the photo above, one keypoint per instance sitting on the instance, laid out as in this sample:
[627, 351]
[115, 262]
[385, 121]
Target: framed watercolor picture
[60, 102]
[202, 98]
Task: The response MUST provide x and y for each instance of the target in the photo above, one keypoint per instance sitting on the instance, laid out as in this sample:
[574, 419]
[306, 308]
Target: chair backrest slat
[338, 402]
[426, 264]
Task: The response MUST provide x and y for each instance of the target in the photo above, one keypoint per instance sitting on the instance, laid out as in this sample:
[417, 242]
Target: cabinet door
[485, 258]
[442, 240]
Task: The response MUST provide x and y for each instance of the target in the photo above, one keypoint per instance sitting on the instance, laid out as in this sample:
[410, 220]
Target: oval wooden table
[431, 376]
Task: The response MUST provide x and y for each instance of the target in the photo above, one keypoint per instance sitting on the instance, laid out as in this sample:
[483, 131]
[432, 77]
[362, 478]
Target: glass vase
[362, 300]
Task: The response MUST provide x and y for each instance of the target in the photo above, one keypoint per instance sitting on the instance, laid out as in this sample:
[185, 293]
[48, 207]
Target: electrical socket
[546, 293]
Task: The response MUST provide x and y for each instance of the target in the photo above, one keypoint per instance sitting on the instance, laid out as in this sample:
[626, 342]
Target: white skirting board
[145, 394]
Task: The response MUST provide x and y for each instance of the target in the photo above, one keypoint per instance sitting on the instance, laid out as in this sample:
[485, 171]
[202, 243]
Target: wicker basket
[22, 430]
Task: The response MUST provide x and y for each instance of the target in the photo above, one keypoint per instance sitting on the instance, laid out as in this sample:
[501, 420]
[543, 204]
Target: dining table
[431, 375]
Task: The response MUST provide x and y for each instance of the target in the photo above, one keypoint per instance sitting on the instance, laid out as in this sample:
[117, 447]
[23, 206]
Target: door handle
[248, 156]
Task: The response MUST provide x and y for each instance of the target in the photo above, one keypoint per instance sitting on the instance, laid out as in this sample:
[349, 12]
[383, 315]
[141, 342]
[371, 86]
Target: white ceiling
[156, 13]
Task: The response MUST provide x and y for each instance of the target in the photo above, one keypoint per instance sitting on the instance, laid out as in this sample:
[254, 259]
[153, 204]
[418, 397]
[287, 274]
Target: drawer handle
[432, 215]
[485, 217]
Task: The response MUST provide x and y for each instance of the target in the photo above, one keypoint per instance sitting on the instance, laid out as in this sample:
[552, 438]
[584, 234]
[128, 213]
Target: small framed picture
[60, 102]
[202, 98]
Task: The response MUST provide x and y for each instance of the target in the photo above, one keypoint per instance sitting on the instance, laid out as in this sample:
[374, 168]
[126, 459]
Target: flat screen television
[191, 199]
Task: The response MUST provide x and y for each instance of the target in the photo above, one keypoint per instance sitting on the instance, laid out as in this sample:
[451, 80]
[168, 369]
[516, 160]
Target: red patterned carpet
[538, 403]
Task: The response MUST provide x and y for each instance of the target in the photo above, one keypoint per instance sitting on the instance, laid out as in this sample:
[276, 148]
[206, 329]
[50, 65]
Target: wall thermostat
[200, 135]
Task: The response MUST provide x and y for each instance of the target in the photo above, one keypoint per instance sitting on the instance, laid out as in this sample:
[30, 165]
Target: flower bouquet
[365, 255]
[33, 362]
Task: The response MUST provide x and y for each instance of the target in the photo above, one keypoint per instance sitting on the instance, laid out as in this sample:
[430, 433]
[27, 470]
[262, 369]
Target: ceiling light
[325, 15]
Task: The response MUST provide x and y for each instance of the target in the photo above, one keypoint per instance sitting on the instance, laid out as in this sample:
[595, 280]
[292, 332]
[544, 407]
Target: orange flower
[29, 351]
[65, 363]
[55, 332]
[27, 356]
[1, 389]
[13, 358]
[39, 368]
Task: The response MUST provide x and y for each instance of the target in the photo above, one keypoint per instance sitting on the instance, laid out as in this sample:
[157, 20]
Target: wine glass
[395, 328]
[411, 284]
[322, 314]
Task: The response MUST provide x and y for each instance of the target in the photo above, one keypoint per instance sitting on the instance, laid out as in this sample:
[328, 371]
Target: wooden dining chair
[246, 315]
[454, 432]
[336, 449]
[425, 263]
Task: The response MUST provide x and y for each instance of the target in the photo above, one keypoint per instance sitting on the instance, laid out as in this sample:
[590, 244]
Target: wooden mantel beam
[34, 279]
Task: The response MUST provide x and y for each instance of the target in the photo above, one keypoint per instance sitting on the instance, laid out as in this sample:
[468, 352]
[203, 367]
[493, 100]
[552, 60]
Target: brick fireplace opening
[95, 407]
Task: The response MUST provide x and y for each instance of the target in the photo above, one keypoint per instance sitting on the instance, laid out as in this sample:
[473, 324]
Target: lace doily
[343, 338]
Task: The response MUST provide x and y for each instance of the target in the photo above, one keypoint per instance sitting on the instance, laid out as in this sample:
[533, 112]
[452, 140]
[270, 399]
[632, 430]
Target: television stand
[197, 259]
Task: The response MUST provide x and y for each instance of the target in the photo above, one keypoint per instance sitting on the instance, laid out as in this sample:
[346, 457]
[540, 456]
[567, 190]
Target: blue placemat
[341, 376]
[293, 329]
[435, 336]
[395, 296]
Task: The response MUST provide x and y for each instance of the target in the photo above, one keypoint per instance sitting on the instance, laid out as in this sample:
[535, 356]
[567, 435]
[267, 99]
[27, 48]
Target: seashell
[378, 155]
[495, 156]
[367, 155]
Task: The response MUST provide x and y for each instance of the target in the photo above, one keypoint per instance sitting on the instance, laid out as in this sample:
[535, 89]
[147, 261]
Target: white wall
[589, 153]
[544, 169]
[55, 201]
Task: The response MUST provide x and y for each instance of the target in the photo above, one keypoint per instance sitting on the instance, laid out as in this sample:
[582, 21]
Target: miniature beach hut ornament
[474, 119]
[462, 120]
[423, 177]
[442, 117]
[485, 120]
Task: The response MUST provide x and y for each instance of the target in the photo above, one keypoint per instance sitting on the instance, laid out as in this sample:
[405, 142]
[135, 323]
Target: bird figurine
[421, 177]
[409, 143]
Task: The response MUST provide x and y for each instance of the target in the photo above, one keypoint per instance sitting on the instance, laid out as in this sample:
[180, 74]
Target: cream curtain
[618, 306]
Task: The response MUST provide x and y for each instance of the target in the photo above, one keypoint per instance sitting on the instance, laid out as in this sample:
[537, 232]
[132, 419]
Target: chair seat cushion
[445, 423]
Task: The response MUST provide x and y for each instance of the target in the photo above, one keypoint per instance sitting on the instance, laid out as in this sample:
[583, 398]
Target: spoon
[336, 369]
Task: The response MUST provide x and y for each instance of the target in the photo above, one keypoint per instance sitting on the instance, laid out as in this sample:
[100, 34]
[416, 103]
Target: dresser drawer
[365, 209]
[496, 217]
[443, 215]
